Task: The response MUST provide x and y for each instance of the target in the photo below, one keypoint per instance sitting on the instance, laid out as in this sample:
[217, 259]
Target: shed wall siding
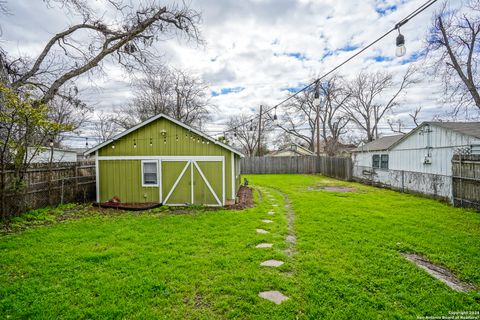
[119, 177]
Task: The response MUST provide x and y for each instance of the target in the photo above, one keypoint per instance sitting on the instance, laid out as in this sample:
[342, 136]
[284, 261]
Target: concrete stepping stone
[271, 263]
[274, 296]
[291, 238]
[270, 212]
[267, 221]
[261, 231]
[264, 245]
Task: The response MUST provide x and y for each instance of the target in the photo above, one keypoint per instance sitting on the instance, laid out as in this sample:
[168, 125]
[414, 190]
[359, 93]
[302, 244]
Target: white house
[419, 161]
[291, 150]
[44, 155]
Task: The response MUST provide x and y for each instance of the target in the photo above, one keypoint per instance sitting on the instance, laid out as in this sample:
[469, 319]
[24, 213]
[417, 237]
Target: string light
[275, 115]
[113, 145]
[151, 142]
[134, 143]
[86, 143]
[400, 48]
[176, 137]
[164, 141]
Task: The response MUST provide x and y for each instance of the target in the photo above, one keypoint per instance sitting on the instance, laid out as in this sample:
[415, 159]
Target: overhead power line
[402, 22]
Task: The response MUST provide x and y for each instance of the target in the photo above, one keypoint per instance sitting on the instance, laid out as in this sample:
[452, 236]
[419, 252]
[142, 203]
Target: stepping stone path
[291, 238]
[271, 263]
[270, 212]
[264, 245]
[267, 221]
[274, 296]
[261, 231]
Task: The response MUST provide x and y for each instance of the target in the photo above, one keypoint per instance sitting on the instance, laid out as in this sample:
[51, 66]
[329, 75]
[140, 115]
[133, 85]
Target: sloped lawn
[200, 264]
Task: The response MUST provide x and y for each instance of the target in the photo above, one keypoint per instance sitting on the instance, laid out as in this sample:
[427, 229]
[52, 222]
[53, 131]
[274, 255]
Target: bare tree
[169, 91]
[452, 43]
[104, 127]
[126, 38]
[245, 133]
[299, 120]
[333, 120]
[72, 113]
[368, 104]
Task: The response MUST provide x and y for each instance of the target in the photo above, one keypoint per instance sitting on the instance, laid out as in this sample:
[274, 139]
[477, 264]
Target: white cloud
[248, 46]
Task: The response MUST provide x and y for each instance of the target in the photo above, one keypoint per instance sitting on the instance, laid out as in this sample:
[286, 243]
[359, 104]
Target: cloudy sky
[257, 51]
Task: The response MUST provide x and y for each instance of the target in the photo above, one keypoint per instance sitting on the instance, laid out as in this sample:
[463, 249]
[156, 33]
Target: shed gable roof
[154, 118]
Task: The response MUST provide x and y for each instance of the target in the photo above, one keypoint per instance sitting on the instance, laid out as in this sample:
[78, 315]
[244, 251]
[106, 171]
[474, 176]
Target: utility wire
[410, 16]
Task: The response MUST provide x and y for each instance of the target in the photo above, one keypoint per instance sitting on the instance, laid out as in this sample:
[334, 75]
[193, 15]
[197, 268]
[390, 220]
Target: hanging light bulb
[198, 140]
[400, 50]
[151, 142]
[251, 125]
[50, 143]
[113, 145]
[203, 141]
[86, 143]
[134, 143]
[208, 142]
[235, 133]
[316, 94]
[176, 137]
[164, 141]
[275, 115]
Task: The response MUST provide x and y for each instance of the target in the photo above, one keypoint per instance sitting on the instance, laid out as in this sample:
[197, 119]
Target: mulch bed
[245, 199]
[127, 206]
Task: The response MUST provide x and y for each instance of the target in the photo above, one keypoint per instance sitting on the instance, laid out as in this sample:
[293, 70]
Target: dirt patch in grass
[438, 272]
[332, 188]
[127, 206]
[245, 199]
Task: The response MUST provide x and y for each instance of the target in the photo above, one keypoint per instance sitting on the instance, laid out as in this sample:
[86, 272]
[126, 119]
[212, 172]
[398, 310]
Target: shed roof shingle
[467, 128]
[380, 144]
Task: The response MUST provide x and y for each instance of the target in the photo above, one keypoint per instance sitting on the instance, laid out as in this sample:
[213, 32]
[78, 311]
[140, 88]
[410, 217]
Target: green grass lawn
[201, 264]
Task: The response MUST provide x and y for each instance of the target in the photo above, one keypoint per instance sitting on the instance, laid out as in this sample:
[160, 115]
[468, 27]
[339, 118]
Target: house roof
[292, 147]
[379, 144]
[158, 116]
[466, 128]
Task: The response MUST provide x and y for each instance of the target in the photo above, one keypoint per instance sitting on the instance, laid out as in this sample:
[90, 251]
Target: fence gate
[466, 181]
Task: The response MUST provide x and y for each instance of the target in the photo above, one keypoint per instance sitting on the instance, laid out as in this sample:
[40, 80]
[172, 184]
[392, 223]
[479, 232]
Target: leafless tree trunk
[368, 104]
[452, 44]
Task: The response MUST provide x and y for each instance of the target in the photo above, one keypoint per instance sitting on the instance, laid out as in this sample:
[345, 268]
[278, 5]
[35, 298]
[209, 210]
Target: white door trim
[177, 181]
[233, 175]
[97, 176]
[206, 182]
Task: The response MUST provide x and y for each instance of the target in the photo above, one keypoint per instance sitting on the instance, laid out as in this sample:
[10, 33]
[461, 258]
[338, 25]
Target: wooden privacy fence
[50, 185]
[466, 181]
[335, 167]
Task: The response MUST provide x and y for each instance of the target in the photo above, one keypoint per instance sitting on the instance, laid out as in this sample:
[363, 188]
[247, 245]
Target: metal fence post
[62, 188]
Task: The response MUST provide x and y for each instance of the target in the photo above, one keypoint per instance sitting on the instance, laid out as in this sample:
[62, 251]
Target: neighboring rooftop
[382, 143]
[466, 128]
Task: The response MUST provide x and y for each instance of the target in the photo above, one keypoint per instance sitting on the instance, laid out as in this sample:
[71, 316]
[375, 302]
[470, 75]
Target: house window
[149, 173]
[376, 161]
[384, 161]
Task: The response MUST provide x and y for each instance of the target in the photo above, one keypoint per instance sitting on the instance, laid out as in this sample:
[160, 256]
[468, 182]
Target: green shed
[163, 160]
